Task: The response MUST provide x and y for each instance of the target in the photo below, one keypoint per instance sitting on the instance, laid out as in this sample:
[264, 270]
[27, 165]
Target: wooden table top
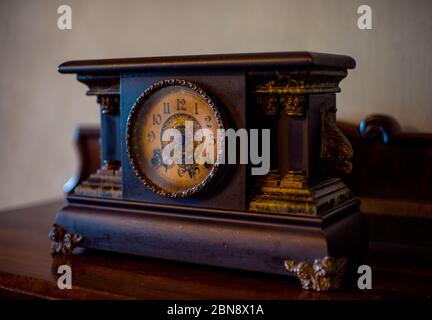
[28, 270]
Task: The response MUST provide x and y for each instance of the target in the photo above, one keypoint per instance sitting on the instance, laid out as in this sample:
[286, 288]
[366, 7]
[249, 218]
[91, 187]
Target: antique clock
[298, 218]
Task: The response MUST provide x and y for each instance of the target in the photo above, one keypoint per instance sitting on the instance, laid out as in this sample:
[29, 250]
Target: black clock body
[298, 219]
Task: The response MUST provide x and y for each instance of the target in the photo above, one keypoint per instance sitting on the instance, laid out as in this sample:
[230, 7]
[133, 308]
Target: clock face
[180, 105]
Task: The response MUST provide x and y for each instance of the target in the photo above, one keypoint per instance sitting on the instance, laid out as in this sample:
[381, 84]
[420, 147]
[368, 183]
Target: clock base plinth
[260, 242]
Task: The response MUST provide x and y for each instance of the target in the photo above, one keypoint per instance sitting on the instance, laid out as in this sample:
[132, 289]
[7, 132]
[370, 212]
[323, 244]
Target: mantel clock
[298, 219]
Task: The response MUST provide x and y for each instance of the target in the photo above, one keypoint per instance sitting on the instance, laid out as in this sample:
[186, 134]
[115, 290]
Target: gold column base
[106, 182]
[290, 194]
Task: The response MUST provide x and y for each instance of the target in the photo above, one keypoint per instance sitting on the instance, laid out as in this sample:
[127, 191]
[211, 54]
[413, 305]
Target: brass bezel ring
[132, 119]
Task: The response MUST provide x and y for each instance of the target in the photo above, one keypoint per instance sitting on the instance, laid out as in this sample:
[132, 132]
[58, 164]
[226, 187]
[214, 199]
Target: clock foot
[63, 242]
[323, 275]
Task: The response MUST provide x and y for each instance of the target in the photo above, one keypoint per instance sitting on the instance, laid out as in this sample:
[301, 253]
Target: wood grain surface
[27, 270]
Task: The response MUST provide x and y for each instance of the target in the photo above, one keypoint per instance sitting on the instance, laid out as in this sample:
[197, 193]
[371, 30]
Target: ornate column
[106, 182]
[110, 130]
[308, 149]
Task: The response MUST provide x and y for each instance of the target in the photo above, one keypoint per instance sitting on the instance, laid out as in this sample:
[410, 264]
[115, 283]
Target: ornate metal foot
[323, 275]
[62, 241]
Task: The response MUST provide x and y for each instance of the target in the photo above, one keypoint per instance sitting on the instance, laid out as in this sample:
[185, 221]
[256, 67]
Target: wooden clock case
[298, 220]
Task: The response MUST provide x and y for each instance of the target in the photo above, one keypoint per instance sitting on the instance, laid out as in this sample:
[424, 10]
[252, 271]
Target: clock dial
[180, 105]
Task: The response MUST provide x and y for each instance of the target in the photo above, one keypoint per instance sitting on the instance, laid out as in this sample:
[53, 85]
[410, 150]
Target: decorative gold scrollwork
[293, 105]
[334, 145]
[109, 103]
[63, 242]
[268, 103]
[323, 275]
[290, 104]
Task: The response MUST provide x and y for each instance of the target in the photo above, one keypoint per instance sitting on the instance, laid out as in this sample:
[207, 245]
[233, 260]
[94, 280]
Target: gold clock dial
[172, 104]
